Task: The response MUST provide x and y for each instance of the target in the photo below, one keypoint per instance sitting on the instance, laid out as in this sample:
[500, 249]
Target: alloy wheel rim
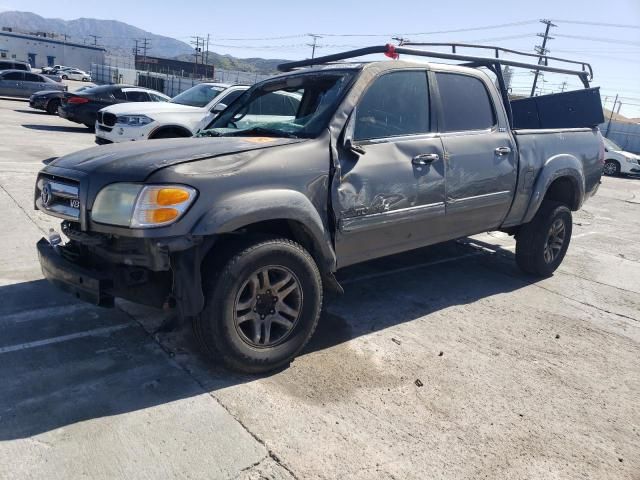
[609, 168]
[268, 306]
[555, 240]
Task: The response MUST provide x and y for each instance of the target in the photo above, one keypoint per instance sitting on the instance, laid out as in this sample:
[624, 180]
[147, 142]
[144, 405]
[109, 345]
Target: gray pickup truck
[242, 229]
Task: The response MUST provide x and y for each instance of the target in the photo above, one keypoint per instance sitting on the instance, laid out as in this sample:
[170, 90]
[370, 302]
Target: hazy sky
[613, 51]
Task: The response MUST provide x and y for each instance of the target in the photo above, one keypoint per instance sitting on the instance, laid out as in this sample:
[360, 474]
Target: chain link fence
[168, 83]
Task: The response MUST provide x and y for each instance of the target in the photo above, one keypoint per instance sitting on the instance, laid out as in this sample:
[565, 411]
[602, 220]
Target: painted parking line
[44, 312]
[418, 266]
[65, 338]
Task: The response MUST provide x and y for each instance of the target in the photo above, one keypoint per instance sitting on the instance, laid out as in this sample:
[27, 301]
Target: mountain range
[119, 40]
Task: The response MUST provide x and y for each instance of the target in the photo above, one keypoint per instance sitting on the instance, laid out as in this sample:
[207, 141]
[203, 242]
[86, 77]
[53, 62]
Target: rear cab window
[137, 95]
[466, 104]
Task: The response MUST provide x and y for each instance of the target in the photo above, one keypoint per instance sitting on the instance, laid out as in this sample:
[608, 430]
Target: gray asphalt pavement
[443, 363]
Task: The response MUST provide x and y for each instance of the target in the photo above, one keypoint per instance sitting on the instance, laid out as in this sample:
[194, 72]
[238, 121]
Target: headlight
[139, 206]
[134, 120]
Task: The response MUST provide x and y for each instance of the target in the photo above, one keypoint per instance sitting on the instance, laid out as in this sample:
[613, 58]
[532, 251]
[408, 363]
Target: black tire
[217, 327]
[534, 240]
[168, 133]
[64, 77]
[52, 106]
[611, 168]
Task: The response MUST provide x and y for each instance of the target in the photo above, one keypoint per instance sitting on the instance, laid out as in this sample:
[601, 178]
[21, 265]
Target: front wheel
[64, 77]
[611, 168]
[542, 243]
[52, 106]
[262, 306]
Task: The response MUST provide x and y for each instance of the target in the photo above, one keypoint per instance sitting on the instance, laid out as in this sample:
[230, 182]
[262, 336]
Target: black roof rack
[393, 51]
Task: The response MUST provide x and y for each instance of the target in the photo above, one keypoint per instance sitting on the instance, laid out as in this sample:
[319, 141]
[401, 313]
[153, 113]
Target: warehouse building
[46, 50]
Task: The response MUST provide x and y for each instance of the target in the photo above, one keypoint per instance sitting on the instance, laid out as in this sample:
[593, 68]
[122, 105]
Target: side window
[118, 94]
[395, 104]
[231, 96]
[137, 96]
[465, 103]
[32, 77]
[14, 76]
[156, 98]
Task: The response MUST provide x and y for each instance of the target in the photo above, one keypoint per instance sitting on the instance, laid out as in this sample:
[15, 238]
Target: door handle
[425, 158]
[503, 151]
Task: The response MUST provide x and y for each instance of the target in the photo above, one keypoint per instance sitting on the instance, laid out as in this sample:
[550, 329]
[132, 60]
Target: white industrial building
[42, 51]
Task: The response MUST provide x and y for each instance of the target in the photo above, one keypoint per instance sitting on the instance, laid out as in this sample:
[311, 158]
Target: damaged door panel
[391, 192]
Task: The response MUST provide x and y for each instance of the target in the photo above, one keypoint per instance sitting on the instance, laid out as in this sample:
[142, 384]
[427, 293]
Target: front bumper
[38, 104]
[84, 284]
[119, 133]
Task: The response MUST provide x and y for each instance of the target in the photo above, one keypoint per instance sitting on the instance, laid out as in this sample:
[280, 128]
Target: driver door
[390, 197]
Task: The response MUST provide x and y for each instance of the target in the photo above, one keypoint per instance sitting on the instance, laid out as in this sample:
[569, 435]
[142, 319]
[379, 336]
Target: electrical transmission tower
[542, 50]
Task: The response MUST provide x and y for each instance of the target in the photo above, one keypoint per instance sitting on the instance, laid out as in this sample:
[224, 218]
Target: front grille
[59, 197]
[108, 119]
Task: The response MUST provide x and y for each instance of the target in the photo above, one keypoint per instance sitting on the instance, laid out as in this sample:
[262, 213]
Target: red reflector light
[391, 52]
[78, 100]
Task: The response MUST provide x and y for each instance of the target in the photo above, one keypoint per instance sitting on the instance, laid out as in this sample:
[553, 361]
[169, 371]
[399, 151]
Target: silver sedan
[18, 83]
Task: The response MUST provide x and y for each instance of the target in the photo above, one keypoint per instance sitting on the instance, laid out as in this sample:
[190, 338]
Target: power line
[599, 24]
[601, 39]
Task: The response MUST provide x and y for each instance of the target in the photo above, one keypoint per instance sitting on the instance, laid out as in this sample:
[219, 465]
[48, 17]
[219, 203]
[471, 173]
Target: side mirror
[219, 107]
[349, 130]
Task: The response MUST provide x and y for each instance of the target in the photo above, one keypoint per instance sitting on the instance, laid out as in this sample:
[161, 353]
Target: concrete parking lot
[443, 363]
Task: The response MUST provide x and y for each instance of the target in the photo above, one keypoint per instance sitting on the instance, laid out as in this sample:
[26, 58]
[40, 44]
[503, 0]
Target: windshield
[198, 96]
[611, 145]
[294, 106]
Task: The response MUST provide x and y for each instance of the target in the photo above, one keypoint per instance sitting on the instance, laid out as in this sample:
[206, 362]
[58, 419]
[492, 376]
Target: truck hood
[149, 108]
[135, 161]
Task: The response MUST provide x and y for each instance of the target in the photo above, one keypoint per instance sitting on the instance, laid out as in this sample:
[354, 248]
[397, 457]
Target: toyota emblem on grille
[46, 195]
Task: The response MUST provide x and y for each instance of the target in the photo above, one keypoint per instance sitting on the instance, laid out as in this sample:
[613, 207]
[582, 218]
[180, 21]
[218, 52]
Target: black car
[82, 107]
[50, 100]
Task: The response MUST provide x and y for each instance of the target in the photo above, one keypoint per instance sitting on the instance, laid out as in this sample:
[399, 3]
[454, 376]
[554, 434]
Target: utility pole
[542, 50]
[606, 134]
[206, 61]
[564, 85]
[314, 44]
[95, 39]
[198, 51]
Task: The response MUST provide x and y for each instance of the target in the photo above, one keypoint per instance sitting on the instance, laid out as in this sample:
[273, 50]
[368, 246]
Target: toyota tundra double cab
[242, 228]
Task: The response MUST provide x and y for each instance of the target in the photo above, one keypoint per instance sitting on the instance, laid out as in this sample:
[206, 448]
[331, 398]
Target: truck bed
[537, 147]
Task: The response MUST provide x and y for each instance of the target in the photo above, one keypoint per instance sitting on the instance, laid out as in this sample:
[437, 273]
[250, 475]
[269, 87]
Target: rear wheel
[262, 306]
[542, 243]
[52, 106]
[611, 168]
[64, 77]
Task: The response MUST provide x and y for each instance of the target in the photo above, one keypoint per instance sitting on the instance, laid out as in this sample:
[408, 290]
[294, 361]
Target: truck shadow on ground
[56, 128]
[55, 375]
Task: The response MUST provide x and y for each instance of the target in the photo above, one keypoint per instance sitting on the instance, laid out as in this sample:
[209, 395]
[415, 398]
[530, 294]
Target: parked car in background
[619, 162]
[19, 83]
[55, 69]
[82, 107]
[15, 65]
[50, 100]
[74, 74]
[182, 116]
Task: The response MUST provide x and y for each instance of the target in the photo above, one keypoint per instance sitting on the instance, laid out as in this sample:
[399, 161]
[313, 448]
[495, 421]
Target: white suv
[617, 161]
[182, 116]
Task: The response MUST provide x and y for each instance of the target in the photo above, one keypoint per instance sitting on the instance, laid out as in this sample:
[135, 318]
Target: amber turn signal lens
[171, 196]
[162, 215]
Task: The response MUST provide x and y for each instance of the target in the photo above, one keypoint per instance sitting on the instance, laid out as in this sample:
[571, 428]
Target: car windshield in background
[295, 106]
[198, 96]
[612, 145]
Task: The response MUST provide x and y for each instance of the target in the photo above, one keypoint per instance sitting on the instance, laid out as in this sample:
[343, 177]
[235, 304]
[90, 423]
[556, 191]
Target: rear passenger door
[391, 197]
[33, 83]
[481, 157]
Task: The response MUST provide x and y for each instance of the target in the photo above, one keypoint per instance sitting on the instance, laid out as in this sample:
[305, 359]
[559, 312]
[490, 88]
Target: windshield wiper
[261, 131]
